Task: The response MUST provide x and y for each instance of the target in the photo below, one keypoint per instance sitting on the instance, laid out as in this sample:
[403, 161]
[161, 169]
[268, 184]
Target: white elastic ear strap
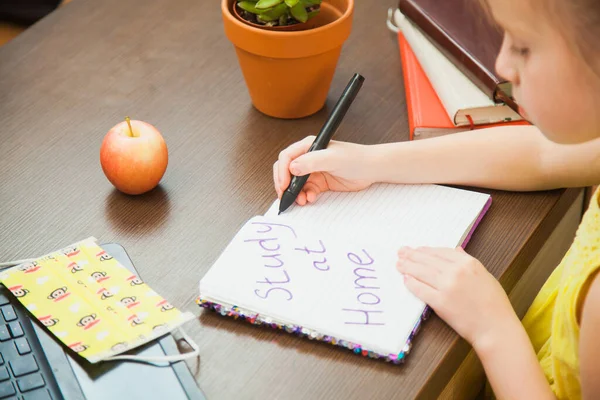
[16, 262]
[153, 360]
[163, 359]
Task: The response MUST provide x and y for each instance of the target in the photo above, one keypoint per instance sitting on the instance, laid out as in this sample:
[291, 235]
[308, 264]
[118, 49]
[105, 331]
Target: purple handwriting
[320, 261]
[269, 227]
[276, 277]
[368, 310]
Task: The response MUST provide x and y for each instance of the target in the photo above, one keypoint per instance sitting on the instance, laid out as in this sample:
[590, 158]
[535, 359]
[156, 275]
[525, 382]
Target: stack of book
[448, 51]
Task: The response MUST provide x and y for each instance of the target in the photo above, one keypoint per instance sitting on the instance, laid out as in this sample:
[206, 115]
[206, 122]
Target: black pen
[322, 140]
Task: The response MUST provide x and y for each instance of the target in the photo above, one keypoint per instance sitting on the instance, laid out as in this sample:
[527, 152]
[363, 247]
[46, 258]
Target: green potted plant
[277, 14]
[288, 50]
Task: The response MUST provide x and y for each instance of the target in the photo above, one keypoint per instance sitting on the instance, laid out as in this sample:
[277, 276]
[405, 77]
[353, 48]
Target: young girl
[551, 54]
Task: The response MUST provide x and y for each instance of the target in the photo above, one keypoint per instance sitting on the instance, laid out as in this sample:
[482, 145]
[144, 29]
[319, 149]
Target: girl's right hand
[341, 167]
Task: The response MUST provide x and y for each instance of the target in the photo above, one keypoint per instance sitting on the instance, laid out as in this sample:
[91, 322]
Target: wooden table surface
[75, 74]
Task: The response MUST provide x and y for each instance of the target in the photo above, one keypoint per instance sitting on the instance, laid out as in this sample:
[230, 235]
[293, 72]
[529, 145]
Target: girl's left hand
[459, 289]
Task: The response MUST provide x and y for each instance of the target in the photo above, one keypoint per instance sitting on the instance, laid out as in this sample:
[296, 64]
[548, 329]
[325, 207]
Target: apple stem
[130, 128]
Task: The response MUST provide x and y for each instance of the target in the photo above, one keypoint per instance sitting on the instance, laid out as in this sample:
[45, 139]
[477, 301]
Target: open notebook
[327, 271]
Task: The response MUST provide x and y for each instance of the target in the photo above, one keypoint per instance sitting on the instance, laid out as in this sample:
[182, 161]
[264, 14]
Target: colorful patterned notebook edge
[256, 319]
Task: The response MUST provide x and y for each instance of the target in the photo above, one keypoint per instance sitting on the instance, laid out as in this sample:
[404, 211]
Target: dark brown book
[467, 35]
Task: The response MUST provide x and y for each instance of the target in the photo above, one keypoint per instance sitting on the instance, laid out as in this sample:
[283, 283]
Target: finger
[422, 291]
[444, 253]
[276, 180]
[427, 274]
[301, 199]
[287, 155]
[312, 191]
[315, 161]
[419, 256]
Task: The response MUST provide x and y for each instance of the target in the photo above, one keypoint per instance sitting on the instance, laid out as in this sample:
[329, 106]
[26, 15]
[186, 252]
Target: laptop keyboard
[24, 370]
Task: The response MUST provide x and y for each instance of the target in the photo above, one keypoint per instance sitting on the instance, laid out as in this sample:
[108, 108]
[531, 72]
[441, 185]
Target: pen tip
[279, 213]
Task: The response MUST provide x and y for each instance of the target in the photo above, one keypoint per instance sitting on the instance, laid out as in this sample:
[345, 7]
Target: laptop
[34, 366]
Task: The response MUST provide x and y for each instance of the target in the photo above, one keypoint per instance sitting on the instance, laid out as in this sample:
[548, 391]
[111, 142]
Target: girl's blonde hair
[579, 22]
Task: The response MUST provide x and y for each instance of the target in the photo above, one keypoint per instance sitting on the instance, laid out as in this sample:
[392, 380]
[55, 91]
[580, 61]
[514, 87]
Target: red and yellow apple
[134, 156]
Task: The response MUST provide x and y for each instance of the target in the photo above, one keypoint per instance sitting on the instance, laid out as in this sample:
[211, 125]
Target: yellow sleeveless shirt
[551, 321]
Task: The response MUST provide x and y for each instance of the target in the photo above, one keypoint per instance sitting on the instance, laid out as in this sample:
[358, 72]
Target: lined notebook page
[407, 215]
[346, 289]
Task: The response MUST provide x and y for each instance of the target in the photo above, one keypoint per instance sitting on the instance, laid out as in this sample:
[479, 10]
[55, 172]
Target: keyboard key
[3, 374]
[1, 359]
[7, 389]
[22, 346]
[30, 382]
[40, 394]
[4, 300]
[4, 333]
[23, 365]
[9, 313]
[16, 330]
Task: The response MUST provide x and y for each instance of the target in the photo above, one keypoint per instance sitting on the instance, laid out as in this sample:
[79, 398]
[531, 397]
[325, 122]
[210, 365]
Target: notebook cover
[464, 32]
[424, 107]
[256, 319]
[426, 112]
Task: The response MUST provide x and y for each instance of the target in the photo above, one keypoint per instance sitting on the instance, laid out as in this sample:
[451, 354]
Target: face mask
[93, 304]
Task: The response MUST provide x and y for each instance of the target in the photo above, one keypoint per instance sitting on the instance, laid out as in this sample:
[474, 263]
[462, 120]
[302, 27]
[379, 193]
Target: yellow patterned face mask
[92, 303]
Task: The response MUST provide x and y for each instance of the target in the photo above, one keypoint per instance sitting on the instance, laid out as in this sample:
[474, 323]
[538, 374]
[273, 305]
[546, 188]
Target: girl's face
[557, 90]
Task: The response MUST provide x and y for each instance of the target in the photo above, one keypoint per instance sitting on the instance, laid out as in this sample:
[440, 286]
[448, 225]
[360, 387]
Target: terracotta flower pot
[288, 73]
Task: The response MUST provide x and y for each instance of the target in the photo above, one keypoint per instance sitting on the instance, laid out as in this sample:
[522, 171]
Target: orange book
[426, 114]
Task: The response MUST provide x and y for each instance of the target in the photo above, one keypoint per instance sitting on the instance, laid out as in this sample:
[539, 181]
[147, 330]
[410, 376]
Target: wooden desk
[69, 78]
